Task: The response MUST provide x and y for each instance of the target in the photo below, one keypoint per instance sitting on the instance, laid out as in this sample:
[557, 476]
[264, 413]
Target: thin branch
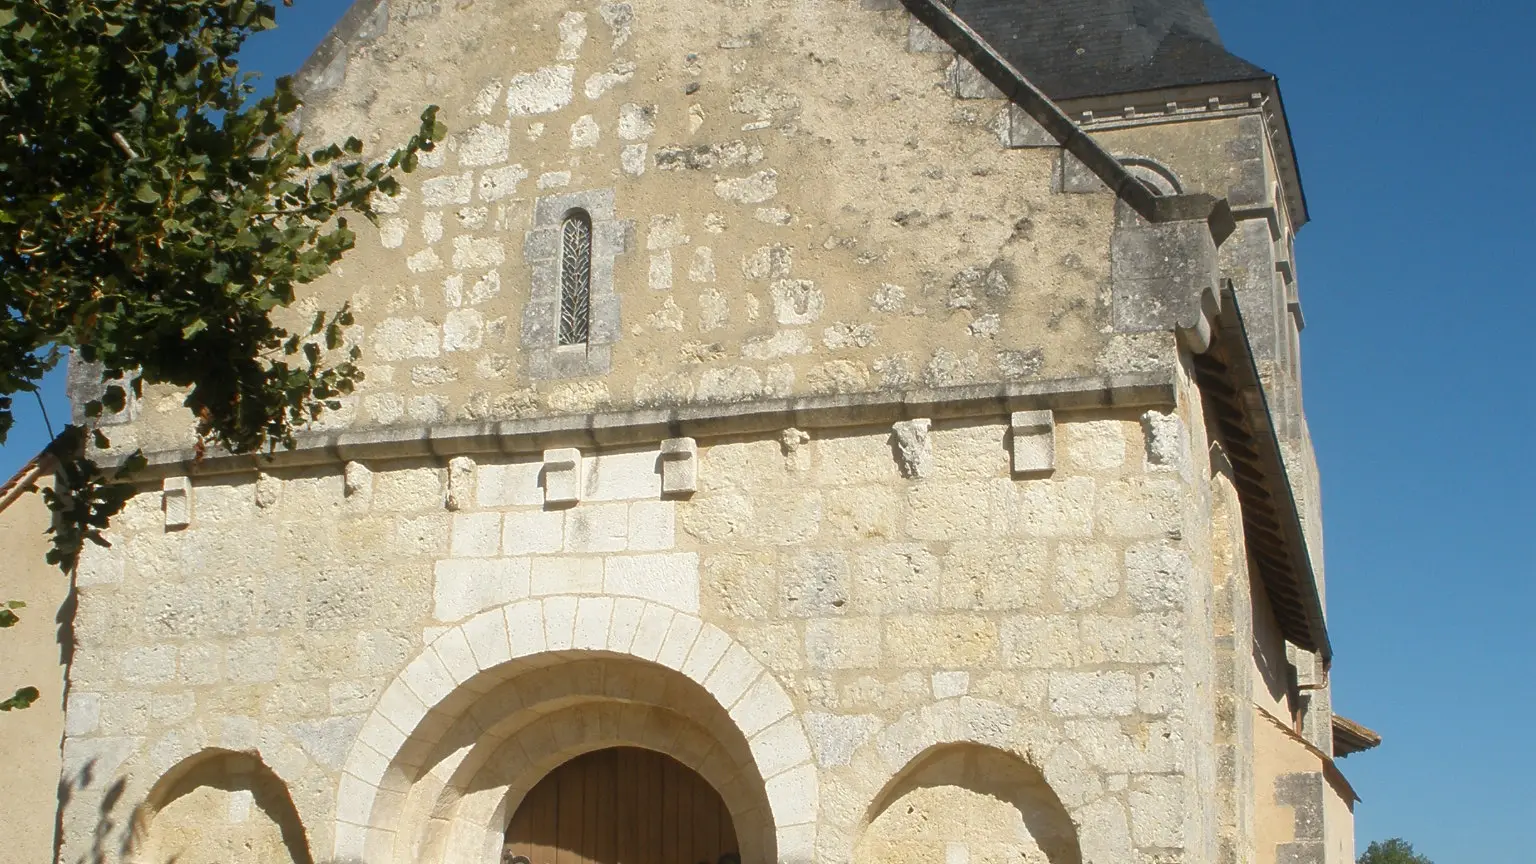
[44, 408]
[122, 144]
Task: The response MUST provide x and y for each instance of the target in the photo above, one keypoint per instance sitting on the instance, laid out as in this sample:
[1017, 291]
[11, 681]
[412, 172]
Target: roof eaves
[24, 479]
[1230, 385]
[1350, 737]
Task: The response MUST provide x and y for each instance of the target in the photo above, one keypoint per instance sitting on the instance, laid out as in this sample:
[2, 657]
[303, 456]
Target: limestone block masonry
[847, 618]
[761, 388]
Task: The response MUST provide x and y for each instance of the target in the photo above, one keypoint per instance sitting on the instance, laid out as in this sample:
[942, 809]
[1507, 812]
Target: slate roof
[1076, 48]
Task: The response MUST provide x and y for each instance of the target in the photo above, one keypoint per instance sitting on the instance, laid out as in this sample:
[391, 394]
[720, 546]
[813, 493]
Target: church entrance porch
[622, 805]
[582, 731]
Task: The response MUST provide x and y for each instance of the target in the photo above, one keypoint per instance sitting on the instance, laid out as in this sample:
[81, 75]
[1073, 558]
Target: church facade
[828, 431]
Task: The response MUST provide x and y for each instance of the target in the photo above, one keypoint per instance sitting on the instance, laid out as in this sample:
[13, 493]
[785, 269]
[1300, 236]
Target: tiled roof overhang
[1234, 397]
[1351, 737]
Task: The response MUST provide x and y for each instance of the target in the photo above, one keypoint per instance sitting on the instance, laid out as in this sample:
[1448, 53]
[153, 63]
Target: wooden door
[623, 805]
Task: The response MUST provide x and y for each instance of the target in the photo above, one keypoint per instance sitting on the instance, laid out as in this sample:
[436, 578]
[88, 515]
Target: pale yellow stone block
[627, 612]
[952, 511]
[739, 584]
[559, 622]
[787, 518]
[565, 575]
[707, 650]
[409, 489]
[1087, 575]
[525, 628]
[754, 465]
[680, 638]
[453, 649]
[1041, 641]
[979, 450]
[864, 513]
[733, 675]
[763, 704]
[994, 575]
[1140, 507]
[894, 579]
[1056, 507]
[651, 634]
[952, 641]
[1095, 446]
[856, 459]
[843, 643]
[527, 532]
[794, 796]
[780, 747]
[719, 518]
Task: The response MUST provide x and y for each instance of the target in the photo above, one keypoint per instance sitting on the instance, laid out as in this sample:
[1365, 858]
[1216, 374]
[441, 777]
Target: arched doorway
[622, 805]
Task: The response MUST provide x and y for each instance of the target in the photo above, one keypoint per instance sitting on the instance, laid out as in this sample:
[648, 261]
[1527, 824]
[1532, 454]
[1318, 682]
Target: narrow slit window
[576, 279]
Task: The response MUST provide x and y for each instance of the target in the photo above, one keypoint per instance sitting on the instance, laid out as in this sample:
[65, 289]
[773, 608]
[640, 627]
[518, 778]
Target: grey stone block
[546, 357]
[542, 244]
[921, 40]
[552, 209]
[1077, 178]
[1162, 276]
[966, 81]
[1025, 131]
[1250, 185]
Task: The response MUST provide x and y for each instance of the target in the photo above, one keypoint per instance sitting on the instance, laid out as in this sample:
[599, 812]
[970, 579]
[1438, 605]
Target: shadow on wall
[968, 804]
[215, 807]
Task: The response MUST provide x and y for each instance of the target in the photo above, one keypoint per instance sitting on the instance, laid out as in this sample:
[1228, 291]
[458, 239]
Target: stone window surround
[547, 358]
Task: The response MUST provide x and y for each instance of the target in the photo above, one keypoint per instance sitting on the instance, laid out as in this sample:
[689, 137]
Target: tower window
[575, 278]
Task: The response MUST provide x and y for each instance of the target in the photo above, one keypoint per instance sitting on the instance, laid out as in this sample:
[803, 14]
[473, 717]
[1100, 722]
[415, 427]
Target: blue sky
[1414, 128]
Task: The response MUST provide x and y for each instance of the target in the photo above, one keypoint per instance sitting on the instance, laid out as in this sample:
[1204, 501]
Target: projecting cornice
[647, 426]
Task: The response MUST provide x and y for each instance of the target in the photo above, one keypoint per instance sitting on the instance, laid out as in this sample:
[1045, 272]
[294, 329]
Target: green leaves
[156, 215]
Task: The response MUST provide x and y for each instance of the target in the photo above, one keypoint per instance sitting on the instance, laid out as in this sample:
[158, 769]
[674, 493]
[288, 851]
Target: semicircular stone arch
[218, 805]
[1011, 743]
[969, 802]
[113, 808]
[431, 767]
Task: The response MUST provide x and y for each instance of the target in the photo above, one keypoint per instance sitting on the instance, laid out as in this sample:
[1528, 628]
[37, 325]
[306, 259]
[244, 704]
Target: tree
[1393, 851]
[154, 215]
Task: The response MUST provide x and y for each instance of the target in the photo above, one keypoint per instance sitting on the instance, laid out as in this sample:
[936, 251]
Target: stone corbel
[461, 482]
[1034, 442]
[268, 490]
[356, 479]
[679, 466]
[562, 475]
[176, 501]
[914, 450]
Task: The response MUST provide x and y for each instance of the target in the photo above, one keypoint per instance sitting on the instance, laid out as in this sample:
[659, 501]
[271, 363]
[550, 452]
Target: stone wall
[878, 492]
[786, 203]
[900, 590]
